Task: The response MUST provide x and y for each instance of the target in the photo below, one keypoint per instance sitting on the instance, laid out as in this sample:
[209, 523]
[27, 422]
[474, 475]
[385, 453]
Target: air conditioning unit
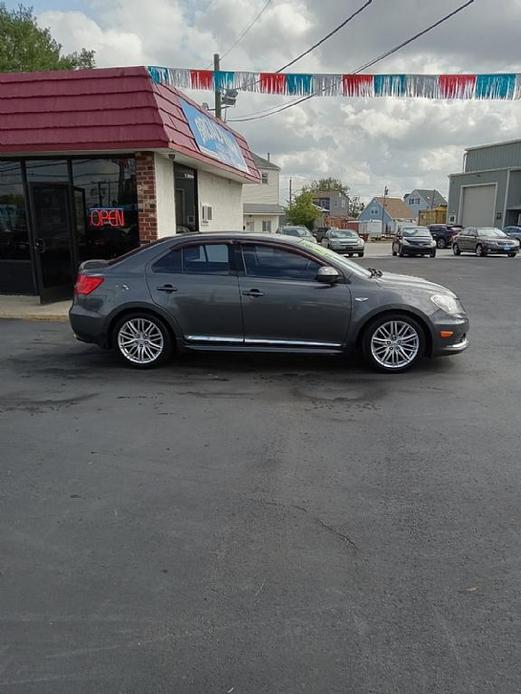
[206, 214]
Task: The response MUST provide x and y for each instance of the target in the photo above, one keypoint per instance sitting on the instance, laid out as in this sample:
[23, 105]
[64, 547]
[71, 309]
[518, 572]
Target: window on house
[266, 226]
[264, 177]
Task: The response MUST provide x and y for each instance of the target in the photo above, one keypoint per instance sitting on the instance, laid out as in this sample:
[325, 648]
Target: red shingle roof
[98, 110]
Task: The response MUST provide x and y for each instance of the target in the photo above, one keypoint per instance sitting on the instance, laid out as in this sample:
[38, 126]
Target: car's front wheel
[433, 253]
[512, 255]
[142, 340]
[441, 243]
[361, 255]
[480, 251]
[393, 343]
[456, 249]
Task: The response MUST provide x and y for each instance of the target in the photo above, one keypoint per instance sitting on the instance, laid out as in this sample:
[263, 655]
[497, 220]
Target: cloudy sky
[368, 143]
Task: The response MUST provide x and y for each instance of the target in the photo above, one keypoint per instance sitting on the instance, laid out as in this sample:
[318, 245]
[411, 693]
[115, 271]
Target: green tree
[329, 184]
[302, 211]
[27, 47]
[355, 206]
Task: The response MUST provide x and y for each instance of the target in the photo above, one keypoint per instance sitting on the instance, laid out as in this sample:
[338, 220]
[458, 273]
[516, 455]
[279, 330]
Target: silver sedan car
[344, 241]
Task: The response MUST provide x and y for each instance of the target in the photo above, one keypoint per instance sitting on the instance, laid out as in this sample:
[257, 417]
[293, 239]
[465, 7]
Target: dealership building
[488, 191]
[94, 163]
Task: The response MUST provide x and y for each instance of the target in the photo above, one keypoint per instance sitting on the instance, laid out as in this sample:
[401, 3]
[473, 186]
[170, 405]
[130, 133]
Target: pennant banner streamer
[487, 86]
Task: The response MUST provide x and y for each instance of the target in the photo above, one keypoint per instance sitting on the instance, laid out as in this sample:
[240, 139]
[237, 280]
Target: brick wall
[146, 197]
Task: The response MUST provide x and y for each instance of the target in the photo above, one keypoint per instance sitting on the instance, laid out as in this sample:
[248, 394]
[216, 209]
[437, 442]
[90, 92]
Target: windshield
[416, 231]
[491, 233]
[296, 231]
[335, 259]
[342, 234]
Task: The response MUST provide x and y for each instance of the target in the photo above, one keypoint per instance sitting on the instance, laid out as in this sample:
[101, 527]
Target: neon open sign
[107, 216]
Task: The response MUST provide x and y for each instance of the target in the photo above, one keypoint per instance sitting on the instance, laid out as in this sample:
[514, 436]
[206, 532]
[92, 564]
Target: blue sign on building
[212, 139]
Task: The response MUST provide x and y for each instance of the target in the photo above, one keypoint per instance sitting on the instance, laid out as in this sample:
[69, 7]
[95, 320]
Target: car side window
[200, 259]
[278, 263]
[471, 232]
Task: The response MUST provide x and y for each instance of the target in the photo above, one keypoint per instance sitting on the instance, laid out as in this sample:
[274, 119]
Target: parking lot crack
[331, 529]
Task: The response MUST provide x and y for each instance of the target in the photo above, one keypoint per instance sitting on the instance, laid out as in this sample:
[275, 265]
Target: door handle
[253, 293]
[167, 288]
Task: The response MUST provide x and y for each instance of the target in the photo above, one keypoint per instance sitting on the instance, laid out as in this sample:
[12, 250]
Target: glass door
[52, 240]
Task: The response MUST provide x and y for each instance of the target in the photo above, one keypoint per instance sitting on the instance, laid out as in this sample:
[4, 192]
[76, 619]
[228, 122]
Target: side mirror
[328, 275]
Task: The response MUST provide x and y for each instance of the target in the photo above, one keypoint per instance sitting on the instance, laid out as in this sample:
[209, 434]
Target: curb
[33, 316]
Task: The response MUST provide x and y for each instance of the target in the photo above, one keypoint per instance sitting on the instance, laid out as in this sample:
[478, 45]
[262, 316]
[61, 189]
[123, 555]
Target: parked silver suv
[228, 291]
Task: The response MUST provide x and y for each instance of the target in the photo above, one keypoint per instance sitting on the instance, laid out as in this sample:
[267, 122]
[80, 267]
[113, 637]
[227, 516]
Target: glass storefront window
[14, 241]
[105, 204]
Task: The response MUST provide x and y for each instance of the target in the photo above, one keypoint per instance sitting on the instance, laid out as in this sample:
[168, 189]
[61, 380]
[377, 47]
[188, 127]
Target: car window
[278, 263]
[343, 234]
[491, 233]
[206, 259]
[470, 232]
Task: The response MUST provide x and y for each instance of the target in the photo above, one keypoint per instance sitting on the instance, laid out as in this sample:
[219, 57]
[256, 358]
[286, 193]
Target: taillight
[85, 284]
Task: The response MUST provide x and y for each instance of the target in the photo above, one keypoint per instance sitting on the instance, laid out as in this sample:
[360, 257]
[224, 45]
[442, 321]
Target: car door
[198, 285]
[470, 240]
[284, 305]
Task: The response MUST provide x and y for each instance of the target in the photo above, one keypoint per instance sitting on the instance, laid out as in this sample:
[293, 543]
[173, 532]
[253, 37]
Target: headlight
[405, 242]
[447, 303]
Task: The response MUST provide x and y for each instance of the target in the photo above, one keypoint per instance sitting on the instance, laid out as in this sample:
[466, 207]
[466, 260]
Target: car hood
[390, 279]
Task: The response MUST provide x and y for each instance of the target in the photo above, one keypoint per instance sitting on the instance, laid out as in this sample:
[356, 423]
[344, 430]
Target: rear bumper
[87, 327]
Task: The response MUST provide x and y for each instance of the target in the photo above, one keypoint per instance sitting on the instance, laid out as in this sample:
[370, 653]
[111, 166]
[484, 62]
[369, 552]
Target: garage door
[478, 206]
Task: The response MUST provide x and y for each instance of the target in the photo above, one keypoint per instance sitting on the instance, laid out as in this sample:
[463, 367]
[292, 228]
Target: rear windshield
[129, 254]
[416, 231]
[295, 231]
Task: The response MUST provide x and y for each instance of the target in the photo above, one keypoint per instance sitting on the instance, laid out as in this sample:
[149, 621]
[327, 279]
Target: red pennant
[357, 85]
[201, 79]
[272, 82]
[456, 86]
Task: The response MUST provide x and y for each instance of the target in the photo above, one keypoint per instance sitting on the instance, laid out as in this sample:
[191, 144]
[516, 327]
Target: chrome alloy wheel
[395, 344]
[140, 341]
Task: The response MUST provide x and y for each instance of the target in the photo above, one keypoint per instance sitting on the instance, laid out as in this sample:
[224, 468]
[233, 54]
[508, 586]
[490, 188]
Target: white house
[261, 209]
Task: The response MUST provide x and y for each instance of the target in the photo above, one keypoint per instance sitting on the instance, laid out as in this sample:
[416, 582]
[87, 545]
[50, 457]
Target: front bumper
[501, 251]
[418, 250]
[457, 342]
[348, 249]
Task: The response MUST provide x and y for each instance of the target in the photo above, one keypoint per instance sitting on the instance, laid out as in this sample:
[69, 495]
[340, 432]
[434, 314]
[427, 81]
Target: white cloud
[369, 143]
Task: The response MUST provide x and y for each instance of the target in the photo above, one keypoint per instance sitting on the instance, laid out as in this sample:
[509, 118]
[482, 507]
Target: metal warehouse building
[488, 192]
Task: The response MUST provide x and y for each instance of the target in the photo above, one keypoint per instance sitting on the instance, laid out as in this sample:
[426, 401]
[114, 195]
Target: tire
[456, 249]
[480, 251]
[350, 255]
[441, 243]
[433, 253]
[401, 253]
[393, 251]
[377, 329]
[512, 255]
[360, 255]
[142, 326]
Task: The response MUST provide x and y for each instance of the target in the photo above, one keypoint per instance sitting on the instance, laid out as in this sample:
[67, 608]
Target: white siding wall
[225, 197]
[263, 193]
[257, 222]
[165, 199]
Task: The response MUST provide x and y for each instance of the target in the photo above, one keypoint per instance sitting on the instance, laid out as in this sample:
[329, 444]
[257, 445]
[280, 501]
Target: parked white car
[344, 241]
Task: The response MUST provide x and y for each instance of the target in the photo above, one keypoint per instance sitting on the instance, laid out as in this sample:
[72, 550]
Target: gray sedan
[484, 241]
[229, 292]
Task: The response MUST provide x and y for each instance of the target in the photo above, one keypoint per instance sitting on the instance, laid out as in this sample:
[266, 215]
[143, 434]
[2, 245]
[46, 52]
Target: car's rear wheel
[456, 249]
[142, 340]
[441, 243]
[480, 251]
[393, 343]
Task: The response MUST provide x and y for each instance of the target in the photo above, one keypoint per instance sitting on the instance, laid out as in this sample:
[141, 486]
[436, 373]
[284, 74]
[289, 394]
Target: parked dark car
[513, 232]
[297, 231]
[319, 233]
[442, 234]
[414, 241]
[229, 292]
[484, 241]
[344, 241]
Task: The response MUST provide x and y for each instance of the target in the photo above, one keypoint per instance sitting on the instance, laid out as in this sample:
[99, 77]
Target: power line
[270, 112]
[327, 36]
[247, 29]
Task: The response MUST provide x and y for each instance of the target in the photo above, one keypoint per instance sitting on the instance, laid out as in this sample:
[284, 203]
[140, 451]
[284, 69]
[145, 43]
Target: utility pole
[216, 68]
[384, 225]
[290, 191]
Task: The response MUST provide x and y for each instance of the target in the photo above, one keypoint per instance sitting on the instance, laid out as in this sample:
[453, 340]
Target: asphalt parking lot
[249, 524]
